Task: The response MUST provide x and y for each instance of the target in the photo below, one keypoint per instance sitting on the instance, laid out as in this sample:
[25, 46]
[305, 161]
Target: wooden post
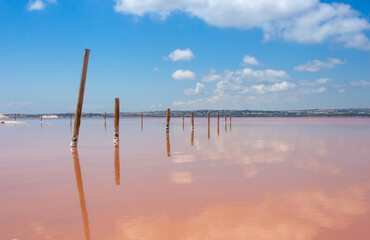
[76, 127]
[116, 121]
[15, 117]
[105, 116]
[168, 144]
[117, 173]
[225, 118]
[41, 118]
[230, 116]
[70, 118]
[192, 120]
[168, 119]
[208, 115]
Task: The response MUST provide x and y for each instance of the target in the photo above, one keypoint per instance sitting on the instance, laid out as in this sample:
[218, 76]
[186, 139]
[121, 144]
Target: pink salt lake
[265, 178]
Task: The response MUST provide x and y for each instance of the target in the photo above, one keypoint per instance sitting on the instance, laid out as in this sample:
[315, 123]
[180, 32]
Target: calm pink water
[262, 179]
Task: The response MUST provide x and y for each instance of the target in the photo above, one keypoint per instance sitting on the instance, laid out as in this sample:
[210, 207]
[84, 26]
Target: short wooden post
[225, 118]
[209, 119]
[168, 144]
[15, 117]
[105, 116]
[192, 120]
[40, 118]
[230, 117]
[76, 127]
[117, 173]
[116, 121]
[168, 119]
[70, 118]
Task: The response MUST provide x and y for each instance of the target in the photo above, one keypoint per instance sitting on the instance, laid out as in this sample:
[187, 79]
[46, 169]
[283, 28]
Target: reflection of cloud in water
[295, 215]
[250, 171]
[316, 166]
[181, 177]
[178, 158]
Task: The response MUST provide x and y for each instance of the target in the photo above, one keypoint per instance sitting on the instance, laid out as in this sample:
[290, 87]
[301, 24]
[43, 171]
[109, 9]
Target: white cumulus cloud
[318, 81]
[267, 75]
[249, 60]
[181, 55]
[308, 21]
[316, 65]
[211, 77]
[37, 5]
[199, 89]
[360, 83]
[183, 75]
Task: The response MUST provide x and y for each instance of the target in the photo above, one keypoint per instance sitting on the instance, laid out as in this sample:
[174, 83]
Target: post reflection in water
[117, 173]
[218, 129]
[225, 127]
[81, 194]
[192, 137]
[209, 132]
[168, 144]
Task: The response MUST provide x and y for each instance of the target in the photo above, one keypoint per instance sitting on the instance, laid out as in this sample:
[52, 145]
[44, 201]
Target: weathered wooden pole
[209, 118]
[116, 121]
[70, 119]
[168, 144]
[105, 116]
[225, 118]
[192, 120]
[15, 117]
[117, 173]
[77, 123]
[230, 117]
[40, 118]
[168, 119]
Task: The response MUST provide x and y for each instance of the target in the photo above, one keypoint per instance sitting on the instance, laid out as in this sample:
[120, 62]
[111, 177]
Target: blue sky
[154, 54]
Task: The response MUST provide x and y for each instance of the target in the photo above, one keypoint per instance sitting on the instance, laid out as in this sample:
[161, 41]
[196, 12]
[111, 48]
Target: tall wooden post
[105, 116]
[168, 119]
[192, 120]
[225, 118]
[116, 121]
[230, 117]
[209, 119]
[76, 127]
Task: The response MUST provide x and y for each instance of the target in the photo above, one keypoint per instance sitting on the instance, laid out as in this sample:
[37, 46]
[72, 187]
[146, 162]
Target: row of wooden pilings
[77, 120]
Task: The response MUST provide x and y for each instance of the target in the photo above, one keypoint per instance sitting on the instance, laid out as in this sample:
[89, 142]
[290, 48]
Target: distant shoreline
[352, 112]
